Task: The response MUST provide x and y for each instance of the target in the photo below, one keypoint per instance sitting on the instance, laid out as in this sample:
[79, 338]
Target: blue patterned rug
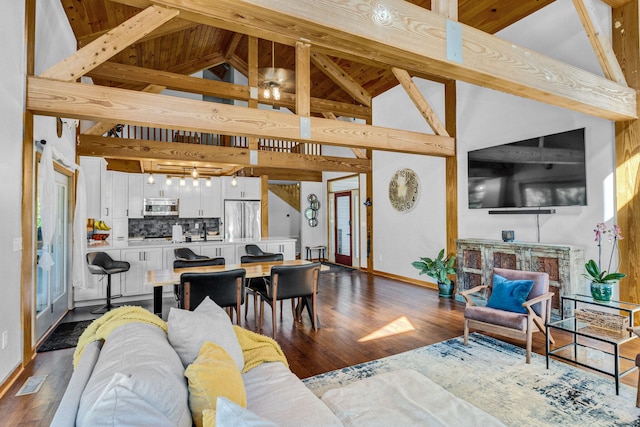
[493, 376]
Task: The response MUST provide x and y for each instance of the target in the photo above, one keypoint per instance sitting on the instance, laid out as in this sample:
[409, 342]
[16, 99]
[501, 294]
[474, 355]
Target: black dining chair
[187, 254]
[252, 249]
[256, 284]
[292, 282]
[196, 262]
[225, 288]
[102, 264]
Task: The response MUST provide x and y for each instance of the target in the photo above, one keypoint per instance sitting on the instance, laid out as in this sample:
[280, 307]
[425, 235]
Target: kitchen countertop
[107, 244]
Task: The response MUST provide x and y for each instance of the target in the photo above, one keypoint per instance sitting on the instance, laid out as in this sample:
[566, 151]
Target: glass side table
[582, 352]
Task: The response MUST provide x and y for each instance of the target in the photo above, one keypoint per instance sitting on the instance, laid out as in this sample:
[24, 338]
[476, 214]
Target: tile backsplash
[163, 227]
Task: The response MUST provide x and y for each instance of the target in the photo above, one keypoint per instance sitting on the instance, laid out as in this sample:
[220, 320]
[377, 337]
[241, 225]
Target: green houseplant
[438, 269]
[602, 281]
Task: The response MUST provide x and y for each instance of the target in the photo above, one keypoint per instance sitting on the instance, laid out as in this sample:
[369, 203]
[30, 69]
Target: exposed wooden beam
[418, 100]
[136, 149]
[286, 174]
[233, 44]
[90, 102]
[341, 78]
[239, 64]
[446, 8]
[110, 44]
[303, 79]
[451, 168]
[168, 28]
[100, 128]
[616, 3]
[115, 72]
[414, 39]
[252, 66]
[599, 41]
[359, 152]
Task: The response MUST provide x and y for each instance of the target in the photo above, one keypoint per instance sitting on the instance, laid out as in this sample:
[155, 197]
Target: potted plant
[438, 269]
[602, 281]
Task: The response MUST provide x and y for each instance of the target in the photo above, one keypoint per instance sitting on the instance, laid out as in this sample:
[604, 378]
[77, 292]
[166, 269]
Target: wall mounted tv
[539, 172]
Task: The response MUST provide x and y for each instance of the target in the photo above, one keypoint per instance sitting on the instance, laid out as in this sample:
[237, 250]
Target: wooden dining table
[171, 276]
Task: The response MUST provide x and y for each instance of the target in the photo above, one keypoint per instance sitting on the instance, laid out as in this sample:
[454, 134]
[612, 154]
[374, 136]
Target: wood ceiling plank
[418, 100]
[198, 64]
[106, 46]
[112, 71]
[137, 149]
[233, 44]
[415, 39]
[341, 78]
[90, 102]
[599, 41]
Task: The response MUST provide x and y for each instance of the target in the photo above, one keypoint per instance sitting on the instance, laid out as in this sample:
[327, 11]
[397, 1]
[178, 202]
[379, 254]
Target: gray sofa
[137, 378]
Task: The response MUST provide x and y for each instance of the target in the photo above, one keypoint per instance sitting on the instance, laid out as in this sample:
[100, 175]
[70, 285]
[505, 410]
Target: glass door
[51, 286]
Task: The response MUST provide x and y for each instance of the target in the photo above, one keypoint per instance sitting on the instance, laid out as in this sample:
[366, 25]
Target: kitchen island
[158, 254]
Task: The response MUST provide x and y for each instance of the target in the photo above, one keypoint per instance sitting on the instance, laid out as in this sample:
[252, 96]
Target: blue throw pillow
[509, 295]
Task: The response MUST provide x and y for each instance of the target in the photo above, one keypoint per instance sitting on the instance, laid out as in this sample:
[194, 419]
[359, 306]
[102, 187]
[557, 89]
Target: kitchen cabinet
[97, 284]
[287, 249]
[127, 195]
[160, 188]
[220, 250]
[246, 188]
[201, 201]
[141, 260]
[98, 186]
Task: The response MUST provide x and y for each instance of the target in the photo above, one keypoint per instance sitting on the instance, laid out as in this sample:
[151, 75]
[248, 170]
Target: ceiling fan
[275, 80]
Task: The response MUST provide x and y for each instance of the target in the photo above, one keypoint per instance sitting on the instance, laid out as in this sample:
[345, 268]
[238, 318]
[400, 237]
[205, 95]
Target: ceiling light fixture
[274, 80]
[150, 179]
[208, 182]
[196, 182]
[168, 181]
[194, 172]
[234, 181]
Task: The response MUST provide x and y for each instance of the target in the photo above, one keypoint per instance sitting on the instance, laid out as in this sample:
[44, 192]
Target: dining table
[171, 276]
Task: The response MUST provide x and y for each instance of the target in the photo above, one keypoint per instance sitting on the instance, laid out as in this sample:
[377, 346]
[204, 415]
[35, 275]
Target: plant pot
[601, 291]
[444, 290]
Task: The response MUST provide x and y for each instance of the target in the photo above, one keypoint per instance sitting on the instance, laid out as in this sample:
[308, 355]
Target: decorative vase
[601, 291]
[444, 290]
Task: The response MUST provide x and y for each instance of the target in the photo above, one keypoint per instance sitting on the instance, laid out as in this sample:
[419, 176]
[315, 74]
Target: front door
[343, 222]
[51, 286]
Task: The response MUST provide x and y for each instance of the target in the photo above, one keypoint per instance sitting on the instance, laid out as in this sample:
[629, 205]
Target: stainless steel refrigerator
[242, 219]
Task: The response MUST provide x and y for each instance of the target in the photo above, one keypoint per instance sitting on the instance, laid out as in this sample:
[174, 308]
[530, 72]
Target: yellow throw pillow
[213, 374]
[209, 418]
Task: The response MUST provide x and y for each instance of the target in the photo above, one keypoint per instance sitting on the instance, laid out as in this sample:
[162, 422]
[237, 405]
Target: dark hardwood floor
[363, 317]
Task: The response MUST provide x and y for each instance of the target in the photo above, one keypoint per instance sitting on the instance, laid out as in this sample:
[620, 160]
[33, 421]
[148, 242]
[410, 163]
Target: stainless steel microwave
[161, 207]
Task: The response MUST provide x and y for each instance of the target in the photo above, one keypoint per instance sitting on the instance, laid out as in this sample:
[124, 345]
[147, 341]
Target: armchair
[536, 313]
[636, 330]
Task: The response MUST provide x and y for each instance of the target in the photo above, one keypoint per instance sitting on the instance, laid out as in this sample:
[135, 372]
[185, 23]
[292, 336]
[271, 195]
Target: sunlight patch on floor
[398, 326]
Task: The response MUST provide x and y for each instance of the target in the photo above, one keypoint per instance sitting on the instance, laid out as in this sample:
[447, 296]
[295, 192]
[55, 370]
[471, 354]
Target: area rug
[493, 375]
[338, 268]
[65, 335]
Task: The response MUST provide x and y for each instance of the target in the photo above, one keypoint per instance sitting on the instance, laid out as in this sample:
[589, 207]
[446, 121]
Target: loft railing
[188, 137]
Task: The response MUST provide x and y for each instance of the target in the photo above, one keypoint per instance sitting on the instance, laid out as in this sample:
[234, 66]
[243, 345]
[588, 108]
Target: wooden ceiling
[186, 47]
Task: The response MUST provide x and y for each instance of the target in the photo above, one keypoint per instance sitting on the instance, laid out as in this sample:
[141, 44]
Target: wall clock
[404, 190]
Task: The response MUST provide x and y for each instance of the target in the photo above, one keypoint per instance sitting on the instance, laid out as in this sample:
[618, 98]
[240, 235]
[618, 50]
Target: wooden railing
[188, 137]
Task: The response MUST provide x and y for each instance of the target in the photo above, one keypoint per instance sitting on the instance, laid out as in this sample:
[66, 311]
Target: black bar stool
[103, 264]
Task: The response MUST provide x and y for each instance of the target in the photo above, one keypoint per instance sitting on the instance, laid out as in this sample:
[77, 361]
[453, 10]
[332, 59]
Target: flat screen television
[539, 172]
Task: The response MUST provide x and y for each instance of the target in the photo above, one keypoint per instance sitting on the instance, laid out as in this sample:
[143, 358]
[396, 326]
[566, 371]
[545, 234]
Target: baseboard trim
[11, 379]
[406, 280]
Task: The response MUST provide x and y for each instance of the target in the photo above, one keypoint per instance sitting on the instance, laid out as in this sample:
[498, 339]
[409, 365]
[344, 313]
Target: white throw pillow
[230, 414]
[188, 330]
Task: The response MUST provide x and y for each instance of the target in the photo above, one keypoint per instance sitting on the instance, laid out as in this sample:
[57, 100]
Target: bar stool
[321, 252]
[102, 264]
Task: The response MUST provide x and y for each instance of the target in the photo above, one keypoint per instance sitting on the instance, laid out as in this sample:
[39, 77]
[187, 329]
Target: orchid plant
[594, 271]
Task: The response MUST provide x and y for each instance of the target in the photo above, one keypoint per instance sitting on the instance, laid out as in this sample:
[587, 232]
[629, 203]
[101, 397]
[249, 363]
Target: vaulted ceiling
[186, 47]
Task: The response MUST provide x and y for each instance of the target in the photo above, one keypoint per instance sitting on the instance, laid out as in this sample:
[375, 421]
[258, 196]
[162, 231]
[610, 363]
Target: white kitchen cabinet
[141, 260]
[120, 194]
[220, 250]
[135, 187]
[201, 201]
[98, 185]
[286, 248]
[97, 284]
[106, 194]
[160, 188]
[246, 188]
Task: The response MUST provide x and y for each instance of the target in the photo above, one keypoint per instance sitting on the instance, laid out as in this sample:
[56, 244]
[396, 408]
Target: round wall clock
[404, 190]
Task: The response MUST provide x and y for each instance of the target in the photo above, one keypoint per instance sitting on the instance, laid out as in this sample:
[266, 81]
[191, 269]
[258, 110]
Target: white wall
[12, 86]
[313, 236]
[284, 220]
[485, 118]
[54, 41]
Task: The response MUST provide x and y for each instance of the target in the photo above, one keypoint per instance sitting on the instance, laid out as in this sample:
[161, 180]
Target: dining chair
[252, 249]
[295, 282]
[225, 288]
[196, 262]
[256, 284]
[515, 314]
